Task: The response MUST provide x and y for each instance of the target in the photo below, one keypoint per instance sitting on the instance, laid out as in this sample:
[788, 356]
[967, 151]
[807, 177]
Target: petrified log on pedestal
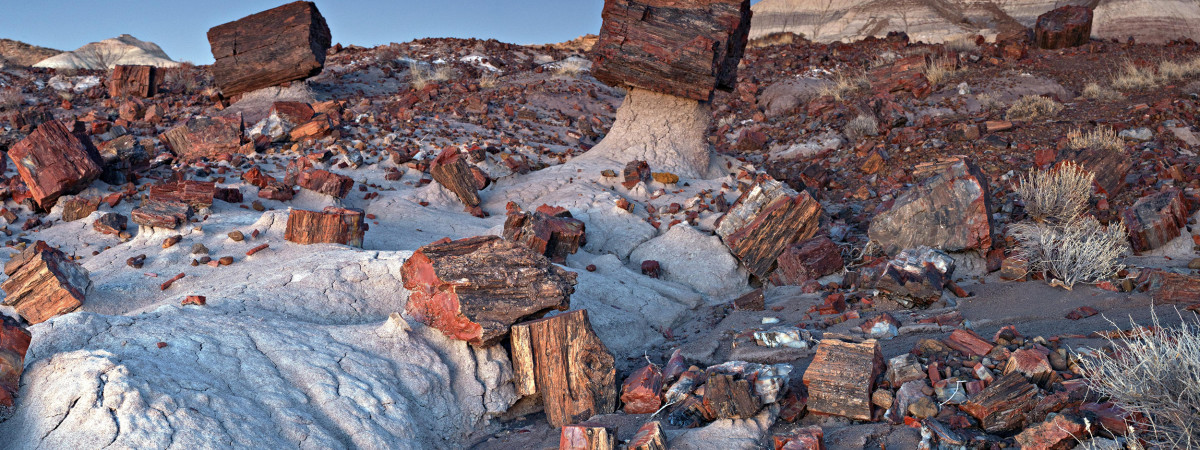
[275, 46]
[53, 162]
[43, 283]
[588, 437]
[136, 81]
[561, 358]
[765, 221]
[842, 376]
[474, 289]
[450, 169]
[333, 225]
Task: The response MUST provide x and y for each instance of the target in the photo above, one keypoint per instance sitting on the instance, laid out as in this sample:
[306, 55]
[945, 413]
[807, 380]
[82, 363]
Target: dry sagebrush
[861, 126]
[1056, 196]
[421, 74]
[1082, 251]
[1032, 107]
[843, 85]
[1154, 374]
[1094, 91]
[1101, 138]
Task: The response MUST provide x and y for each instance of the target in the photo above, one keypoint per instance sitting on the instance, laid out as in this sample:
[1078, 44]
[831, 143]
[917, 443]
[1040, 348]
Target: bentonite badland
[802, 224]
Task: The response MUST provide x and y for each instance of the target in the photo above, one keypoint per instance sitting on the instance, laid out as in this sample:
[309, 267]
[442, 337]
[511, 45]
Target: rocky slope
[22, 54]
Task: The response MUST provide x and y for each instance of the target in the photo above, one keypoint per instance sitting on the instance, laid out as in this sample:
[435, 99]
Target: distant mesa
[109, 53]
[18, 53]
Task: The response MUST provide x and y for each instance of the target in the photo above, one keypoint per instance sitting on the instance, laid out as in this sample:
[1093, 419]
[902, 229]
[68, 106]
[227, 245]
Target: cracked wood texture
[205, 137]
[842, 376]
[649, 437]
[1001, 407]
[682, 48]
[197, 194]
[552, 237]
[782, 221]
[54, 162]
[43, 283]
[474, 289]
[134, 81]
[332, 225]
[568, 365]
[279, 45]
[14, 343]
[451, 171]
[588, 437]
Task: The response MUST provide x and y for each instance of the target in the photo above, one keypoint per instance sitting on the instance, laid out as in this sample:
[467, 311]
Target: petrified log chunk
[1067, 26]
[949, 210]
[78, 208]
[1032, 363]
[228, 195]
[153, 213]
[197, 194]
[325, 182]
[333, 225]
[275, 46]
[136, 81]
[649, 437]
[553, 237]
[1110, 167]
[807, 260]
[730, 397]
[474, 289]
[1155, 220]
[751, 301]
[842, 376]
[294, 112]
[968, 343]
[110, 223]
[1169, 287]
[44, 283]
[807, 438]
[1001, 406]
[588, 437]
[764, 221]
[571, 367]
[317, 128]
[450, 169]
[685, 49]
[640, 392]
[53, 162]
[905, 75]
[205, 137]
[14, 342]
[635, 172]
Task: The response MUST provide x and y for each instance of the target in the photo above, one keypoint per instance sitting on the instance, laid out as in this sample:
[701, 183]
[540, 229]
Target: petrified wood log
[205, 137]
[14, 342]
[153, 213]
[275, 46]
[569, 366]
[197, 194]
[1110, 167]
[641, 391]
[136, 81]
[588, 437]
[53, 162]
[450, 169]
[685, 49]
[842, 376]
[635, 172]
[949, 210]
[43, 283]
[333, 225]
[649, 437]
[110, 223]
[553, 237]
[1155, 220]
[474, 289]
[807, 260]
[1067, 26]
[1001, 406]
[325, 182]
[764, 221]
[730, 397]
[968, 343]
[78, 208]
[1169, 287]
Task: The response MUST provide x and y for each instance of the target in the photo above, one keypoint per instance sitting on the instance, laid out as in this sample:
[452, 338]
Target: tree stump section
[282, 44]
[133, 81]
[842, 376]
[730, 398]
[43, 283]
[1067, 26]
[474, 289]
[569, 365]
[588, 437]
[332, 225]
[54, 162]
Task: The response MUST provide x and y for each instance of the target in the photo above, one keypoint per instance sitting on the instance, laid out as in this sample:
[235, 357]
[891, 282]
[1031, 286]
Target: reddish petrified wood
[949, 210]
[649, 437]
[206, 137]
[14, 343]
[635, 172]
[764, 221]
[450, 169]
[1001, 407]
[325, 182]
[968, 343]
[78, 208]
[197, 194]
[474, 289]
[568, 364]
[807, 438]
[587, 436]
[294, 112]
[641, 391]
[153, 213]
[751, 301]
[275, 46]
[685, 49]
[257, 178]
[1170, 287]
[277, 191]
[54, 162]
[1067, 26]
[136, 81]
[317, 128]
[110, 223]
[1155, 220]
[1032, 363]
[333, 225]
[553, 237]
[44, 283]
[228, 195]
[904, 75]
[807, 260]
[731, 397]
[842, 376]
[1110, 167]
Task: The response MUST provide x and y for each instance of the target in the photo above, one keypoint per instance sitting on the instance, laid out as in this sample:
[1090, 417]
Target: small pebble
[199, 249]
[225, 260]
[237, 235]
[171, 241]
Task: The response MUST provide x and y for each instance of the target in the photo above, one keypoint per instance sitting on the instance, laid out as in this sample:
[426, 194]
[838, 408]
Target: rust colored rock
[651, 268]
[767, 219]
[1001, 406]
[751, 301]
[1109, 167]
[282, 44]
[1014, 268]
[641, 391]
[110, 223]
[1032, 363]
[562, 359]
[53, 162]
[685, 49]
[161, 214]
[1169, 287]
[257, 178]
[950, 210]
[1059, 432]
[294, 112]
[807, 438]
[904, 75]
[807, 260]
[325, 182]
[731, 397]
[78, 208]
[277, 191]
[134, 81]
[451, 170]
[968, 343]
[547, 235]
[842, 376]
[1155, 220]
[1067, 26]
[586, 436]
[205, 137]
[14, 343]
[228, 195]
[198, 300]
[167, 284]
[635, 172]
[250, 252]
[44, 283]
[314, 129]
[649, 437]
[197, 194]
[333, 225]
[474, 289]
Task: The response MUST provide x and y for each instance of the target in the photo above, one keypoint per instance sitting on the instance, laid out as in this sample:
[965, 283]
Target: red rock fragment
[1154, 220]
[110, 223]
[1059, 432]
[282, 44]
[78, 208]
[135, 81]
[161, 214]
[807, 260]
[206, 137]
[751, 301]
[1082, 312]
[198, 300]
[43, 283]
[649, 437]
[53, 162]
[1001, 407]
[635, 172]
[651, 268]
[1066, 26]
[1170, 287]
[453, 172]
[197, 194]
[949, 210]
[842, 376]
[14, 343]
[808, 438]
[1030, 362]
[167, 284]
[968, 343]
[325, 182]
[641, 391]
[764, 221]
[550, 236]
[332, 225]
[257, 249]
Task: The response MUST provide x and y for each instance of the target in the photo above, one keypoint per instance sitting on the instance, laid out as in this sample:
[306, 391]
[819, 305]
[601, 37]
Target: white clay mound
[109, 53]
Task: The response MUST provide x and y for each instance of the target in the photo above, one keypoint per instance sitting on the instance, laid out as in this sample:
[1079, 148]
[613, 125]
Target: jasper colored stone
[764, 221]
[807, 260]
[162, 214]
[332, 225]
[325, 182]
[14, 343]
[282, 44]
[1059, 432]
[842, 376]
[550, 236]
[1001, 407]
[1155, 220]
[206, 137]
[1066, 26]
[54, 162]
[110, 223]
[651, 268]
[197, 194]
[635, 172]
[968, 343]
[904, 75]
[451, 170]
[135, 81]
[949, 210]
[78, 208]
[44, 283]
[641, 391]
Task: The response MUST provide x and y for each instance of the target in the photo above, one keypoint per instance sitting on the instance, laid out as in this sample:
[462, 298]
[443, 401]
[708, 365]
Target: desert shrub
[1192, 88]
[421, 74]
[1058, 195]
[187, 78]
[1100, 138]
[571, 67]
[962, 45]
[489, 80]
[1178, 70]
[1032, 107]
[1081, 251]
[843, 85]
[1133, 77]
[10, 99]
[989, 101]
[939, 69]
[1154, 373]
[1094, 91]
[863, 125]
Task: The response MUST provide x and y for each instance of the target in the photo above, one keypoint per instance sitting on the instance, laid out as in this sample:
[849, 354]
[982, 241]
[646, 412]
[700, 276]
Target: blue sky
[179, 27]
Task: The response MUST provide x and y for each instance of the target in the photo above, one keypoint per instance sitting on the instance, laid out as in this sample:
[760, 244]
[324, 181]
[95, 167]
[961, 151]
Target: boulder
[325, 182]
[332, 225]
[14, 342]
[807, 260]
[133, 81]
[43, 283]
[279, 45]
[547, 235]
[1155, 220]
[1067, 26]
[904, 75]
[206, 137]
[764, 221]
[54, 162]
[161, 214]
[196, 194]
[950, 210]
[842, 376]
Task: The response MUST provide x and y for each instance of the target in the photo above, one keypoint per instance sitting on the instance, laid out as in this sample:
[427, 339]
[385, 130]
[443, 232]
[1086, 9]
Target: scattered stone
[1067, 26]
[133, 81]
[968, 343]
[171, 241]
[257, 249]
[808, 438]
[635, 172]
[842, 376]
[651, 268]
[1155, 220]
[731, 397]
[279, 45]
[1110, 167]
[199, 249]
[1032, 363]
[198, 300]
[53, 162]
[1058, 432]
[332, 225]
[78, 208]
[136, 262]
[236, 235]
[649, 437]
[1170, 287]
[161, 214]
[807, 260]
[14, 343]
[764, 221]
[43, 283]
[197, 194]
[110, 223]
[904, 75]
[751, 301]
[641, 391]
[950, 210]
[1014, 268]
[545, 234]
[566, 363]
[918, 274]
[205, 137]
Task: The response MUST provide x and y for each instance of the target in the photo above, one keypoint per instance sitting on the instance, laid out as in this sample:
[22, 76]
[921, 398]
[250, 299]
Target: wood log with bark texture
[641, 392]
[43, 283]
[197, 194]
[649, 437]
[450, 169]
[14, 343]
[154, 213]
[571, 367]
[325, 182]
[54, 162]
[588, 437]
[1110, 167]
[136, 81]
[842, 376]
[553, 237]
[765, 221]
[279, 45]
[474, 289]
[332, 225]
[685, 49]
[1001, 406]
[1155, 220]
[731, 397]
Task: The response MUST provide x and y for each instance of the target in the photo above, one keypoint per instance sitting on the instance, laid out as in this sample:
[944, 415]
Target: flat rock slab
[161, 214]
[54, 162]
[197, 194]
[279, 45]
